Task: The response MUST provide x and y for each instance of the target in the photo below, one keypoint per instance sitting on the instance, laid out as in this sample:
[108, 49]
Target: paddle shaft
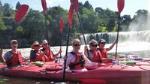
[118, 29]
[66, 56]
[83, 34]
[46, 29]
[60, 44]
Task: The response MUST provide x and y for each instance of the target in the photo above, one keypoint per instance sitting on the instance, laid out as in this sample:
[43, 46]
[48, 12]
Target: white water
[135, 41]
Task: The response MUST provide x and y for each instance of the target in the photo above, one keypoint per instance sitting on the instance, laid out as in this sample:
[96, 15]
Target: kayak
[105, 73]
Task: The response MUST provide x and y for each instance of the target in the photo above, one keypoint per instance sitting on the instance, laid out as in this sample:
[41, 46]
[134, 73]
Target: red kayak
[104, 74]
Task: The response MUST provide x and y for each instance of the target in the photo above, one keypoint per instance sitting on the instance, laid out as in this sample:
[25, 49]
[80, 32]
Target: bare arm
[108, 49]
[86, 59]
[58, 53]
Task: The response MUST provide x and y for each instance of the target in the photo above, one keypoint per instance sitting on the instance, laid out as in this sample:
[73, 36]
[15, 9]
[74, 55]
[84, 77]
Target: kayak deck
[111, 74]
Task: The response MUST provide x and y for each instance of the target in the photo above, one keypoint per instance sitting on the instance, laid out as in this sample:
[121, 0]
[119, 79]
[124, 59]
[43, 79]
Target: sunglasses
[36, 45]
[94, 45]
[103, 43]
[45, 44]
[76, 44]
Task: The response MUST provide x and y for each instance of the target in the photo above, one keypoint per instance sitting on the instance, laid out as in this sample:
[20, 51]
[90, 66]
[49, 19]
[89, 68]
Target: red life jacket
[103, 52]
[96, 56]
[38, 56]
[16, 59]
[49, 54]
[79, 61]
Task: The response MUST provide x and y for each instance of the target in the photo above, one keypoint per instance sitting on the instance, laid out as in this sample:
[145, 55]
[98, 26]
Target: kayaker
[93, 54]
[48, 52]
[103, 50]
[36, 54]
[13, 57]
[76, 60]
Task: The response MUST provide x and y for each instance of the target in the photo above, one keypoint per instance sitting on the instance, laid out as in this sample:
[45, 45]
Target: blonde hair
[76, 41]
[13, 42]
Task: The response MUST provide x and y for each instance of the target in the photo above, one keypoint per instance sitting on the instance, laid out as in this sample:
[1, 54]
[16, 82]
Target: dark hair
[102, 41]
[93, 42]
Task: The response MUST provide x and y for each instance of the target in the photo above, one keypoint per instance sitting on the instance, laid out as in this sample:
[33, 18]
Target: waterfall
[136, 36]
[136, 40]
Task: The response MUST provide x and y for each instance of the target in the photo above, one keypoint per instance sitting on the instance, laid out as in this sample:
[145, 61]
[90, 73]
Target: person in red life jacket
[76, 60]
[93, 54]
[104, 51]
[48, 52]
[13, 57]
[36, 54]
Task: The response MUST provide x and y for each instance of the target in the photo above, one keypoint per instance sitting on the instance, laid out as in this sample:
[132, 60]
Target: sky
[131, 6]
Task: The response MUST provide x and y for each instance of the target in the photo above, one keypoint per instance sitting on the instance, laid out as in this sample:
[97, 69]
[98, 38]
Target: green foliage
[19, 29]
[37, 26]
[18, 5]
[2, 25]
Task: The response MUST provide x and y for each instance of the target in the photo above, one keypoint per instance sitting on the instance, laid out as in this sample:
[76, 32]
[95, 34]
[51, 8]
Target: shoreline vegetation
[33, 26]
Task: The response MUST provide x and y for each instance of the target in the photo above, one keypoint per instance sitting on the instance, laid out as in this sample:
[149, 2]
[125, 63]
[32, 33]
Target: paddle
[61, 25]
[44, 6]
[83, 34]
[120, 6]
[73, 7]
[70, 16]
[21, 13]
[76, 8]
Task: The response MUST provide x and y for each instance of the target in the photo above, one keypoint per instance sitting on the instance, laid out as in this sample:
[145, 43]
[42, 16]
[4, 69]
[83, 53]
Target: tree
[88, 5]
[141, 20]
[2, 25]
[88, 20]
[33, 26]
[55, 13]
[125, 22]
[18, 5]
[7, 9]
[1, 9]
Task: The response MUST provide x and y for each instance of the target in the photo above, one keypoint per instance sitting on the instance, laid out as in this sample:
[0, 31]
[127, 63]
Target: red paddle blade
[61, 24]
[44, 6]
[75, 4]
[120, 5]
[21, 13]
[70, 16]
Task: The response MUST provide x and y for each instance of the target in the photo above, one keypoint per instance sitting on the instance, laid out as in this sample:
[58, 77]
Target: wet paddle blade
[21, 13]
[120, 5]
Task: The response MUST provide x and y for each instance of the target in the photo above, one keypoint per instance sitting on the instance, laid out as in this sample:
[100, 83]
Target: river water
[13, 80]
[139, 48]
